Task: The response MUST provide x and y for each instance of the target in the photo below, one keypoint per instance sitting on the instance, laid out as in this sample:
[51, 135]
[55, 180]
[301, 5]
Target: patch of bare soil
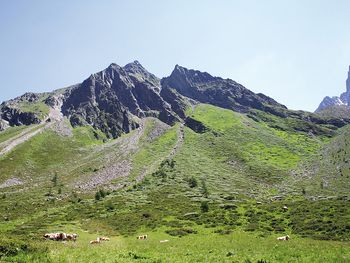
[117, 162]
[11, 182]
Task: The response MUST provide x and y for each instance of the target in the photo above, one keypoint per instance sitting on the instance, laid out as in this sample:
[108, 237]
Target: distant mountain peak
[334, 101]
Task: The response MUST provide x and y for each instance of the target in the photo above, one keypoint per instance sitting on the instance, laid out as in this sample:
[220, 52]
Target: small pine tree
[54, 180]
[204, 206]
[97, 196]
[102, 193]
[192, 182]
[303, 191]
[205, 191]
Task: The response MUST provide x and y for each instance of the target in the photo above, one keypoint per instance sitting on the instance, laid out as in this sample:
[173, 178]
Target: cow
[51, 236]
[56, 236]
[284, 238]
[61, 236]
[285, 208]
[72, 237]
[142, 237]
[97, 241]
[104, 238]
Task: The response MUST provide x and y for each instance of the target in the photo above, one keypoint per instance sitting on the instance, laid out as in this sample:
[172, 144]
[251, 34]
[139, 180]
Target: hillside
[188, 158]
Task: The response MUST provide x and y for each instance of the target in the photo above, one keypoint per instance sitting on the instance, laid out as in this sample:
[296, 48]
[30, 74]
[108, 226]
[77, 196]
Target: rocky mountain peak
[191, 76]
[225, 93]
[112, 100]
[334, 101]
[136, 71]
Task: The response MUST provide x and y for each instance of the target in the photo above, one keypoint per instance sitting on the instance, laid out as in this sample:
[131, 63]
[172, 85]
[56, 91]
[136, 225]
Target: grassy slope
[228, 169]
[235, 247]
[329, 175]
[240, 154]
[11, 132]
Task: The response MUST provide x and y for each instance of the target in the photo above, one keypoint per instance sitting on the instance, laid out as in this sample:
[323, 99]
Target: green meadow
[216, 196]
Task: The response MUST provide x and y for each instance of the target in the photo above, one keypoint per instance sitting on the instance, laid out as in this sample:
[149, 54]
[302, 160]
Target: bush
[54, 180]
[181, 232]
[192, 182]
[205, 191]
[102, 193]
[97, 196]
[204, 206]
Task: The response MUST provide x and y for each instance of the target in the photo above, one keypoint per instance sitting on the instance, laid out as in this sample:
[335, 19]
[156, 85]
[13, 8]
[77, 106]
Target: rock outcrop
[335, 101]
[225, 93]
[12, 114]
[111, 100]
[115, 100]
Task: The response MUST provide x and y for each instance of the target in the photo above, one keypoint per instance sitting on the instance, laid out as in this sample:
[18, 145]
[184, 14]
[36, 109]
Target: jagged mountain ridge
[333, 102]
[116, 98]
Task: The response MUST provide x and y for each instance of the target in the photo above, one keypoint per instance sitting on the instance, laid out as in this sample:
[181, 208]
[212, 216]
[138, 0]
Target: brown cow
[97, 241]
[51, 236]
[284, 238]
[142, 237]
[72, 237]
[56, 236]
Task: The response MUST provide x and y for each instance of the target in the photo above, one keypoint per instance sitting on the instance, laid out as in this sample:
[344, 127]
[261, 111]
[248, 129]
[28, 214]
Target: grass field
[204, 246]
[214, 195]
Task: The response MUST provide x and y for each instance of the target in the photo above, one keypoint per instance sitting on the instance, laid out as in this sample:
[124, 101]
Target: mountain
[125, 153]
[114, 100]
[335, 104]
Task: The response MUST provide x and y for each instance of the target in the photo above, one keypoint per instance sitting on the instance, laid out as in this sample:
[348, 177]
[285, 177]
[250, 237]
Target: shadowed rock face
[224, 93]
[109, 100]
[13, 116]
[113, 100]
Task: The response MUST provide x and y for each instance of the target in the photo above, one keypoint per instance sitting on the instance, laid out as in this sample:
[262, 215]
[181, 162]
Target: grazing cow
[61, 236]
[97, 241]
[56, 236]
[104, 238]
[164, 241]
[50, 236]
[142, 237]
[72, 237]
[284, 238]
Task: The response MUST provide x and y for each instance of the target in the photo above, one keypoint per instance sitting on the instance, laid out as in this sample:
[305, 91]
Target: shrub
[204, 206]
[181, 232]
[97, 196]
[192, 182]
[54, 180]
[102, 193]
[205, 191]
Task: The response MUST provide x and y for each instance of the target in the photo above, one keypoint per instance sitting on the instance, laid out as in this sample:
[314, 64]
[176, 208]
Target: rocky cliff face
[335, 101]
[116, 98]
[113, 99]
[12, 114]
[225, 93]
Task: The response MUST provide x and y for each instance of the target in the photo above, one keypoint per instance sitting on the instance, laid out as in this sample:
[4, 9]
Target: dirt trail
[25, 131]
[55, 116]
[9, 145]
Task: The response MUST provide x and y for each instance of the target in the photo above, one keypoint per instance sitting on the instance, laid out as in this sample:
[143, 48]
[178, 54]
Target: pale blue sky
[294, 51]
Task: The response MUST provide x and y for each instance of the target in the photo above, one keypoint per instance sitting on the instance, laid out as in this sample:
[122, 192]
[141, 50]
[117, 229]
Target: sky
[294, 51]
